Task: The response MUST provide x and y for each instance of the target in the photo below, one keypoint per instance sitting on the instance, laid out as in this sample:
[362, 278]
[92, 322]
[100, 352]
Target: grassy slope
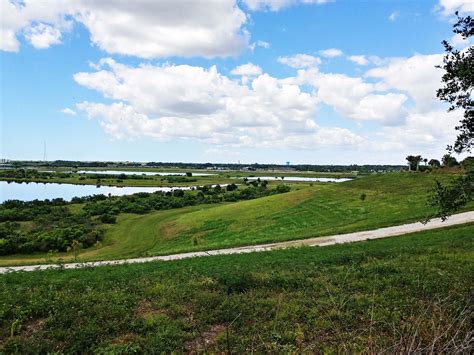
[322, 209]
[315, 211]
[370, 296]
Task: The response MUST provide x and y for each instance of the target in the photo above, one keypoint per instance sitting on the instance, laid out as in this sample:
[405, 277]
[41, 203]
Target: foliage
[398, 295]
[434, 163]
[413, 162]
[52, 225]
[449, 198]
[449, 161]
[458, 82]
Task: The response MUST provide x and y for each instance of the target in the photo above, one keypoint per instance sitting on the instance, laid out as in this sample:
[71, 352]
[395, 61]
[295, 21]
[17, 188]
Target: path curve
[461, 218]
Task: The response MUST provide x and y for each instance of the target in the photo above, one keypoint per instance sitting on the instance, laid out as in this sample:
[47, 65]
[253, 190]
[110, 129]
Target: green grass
[309, 211]
[401, 294]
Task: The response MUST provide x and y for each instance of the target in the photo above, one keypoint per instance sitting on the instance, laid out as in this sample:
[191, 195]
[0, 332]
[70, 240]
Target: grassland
[404, 294]
[308, 211]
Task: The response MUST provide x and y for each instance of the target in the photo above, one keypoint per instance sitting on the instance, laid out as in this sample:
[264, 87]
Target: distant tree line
[366, 168]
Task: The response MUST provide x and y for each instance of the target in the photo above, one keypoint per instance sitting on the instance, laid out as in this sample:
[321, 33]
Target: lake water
[299, 178]
[40, 191]
[118, 172]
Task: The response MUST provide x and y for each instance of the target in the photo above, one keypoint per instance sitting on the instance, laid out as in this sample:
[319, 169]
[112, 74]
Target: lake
[299, 178]
[118, 172]
[34, 190]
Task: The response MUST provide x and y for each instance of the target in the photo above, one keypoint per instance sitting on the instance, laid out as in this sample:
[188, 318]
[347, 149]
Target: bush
[108, 218]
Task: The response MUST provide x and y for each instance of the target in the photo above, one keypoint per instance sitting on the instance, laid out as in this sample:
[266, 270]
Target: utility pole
[44, 151]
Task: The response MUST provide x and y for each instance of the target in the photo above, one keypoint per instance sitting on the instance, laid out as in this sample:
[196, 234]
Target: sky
[267, 81]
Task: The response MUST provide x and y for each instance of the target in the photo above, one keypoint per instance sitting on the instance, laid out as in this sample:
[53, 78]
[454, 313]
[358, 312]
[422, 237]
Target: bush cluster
[40, 226]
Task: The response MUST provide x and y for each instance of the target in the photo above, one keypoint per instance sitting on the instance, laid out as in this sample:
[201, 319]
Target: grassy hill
[307, 211]
[402, 294]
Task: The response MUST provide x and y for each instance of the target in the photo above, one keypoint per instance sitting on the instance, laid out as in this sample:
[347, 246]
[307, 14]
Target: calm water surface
[41, 191]
[299, 178]
[118, 172]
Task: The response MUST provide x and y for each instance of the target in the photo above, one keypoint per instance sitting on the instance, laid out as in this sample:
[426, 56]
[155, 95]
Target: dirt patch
[206, 339]
[168, 230]
[125, 339]
[146, 310]
[32, 326]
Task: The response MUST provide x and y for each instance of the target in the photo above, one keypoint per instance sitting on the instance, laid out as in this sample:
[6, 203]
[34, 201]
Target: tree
[434, 163]
[449, 161]
[458, 80]
[413, 162]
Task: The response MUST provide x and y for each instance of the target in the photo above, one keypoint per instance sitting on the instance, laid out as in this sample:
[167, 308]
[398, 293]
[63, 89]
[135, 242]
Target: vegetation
[458, 82]
[458, 79]
[52, 225]
[413, 162]
[224, 167]
[404, 294]
[308, 211]
[44, 225]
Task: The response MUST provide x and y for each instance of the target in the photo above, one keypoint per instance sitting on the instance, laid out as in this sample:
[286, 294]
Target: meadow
[309, 210]
[404, 294]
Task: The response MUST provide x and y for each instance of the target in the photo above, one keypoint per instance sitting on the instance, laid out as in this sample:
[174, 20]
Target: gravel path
[461, 218]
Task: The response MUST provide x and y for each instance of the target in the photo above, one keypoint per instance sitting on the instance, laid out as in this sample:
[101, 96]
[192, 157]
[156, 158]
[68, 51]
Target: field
[404, 294]
[307, 211]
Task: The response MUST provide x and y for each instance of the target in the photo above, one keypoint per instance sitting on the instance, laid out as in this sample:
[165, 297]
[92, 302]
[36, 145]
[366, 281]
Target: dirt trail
[461, 218]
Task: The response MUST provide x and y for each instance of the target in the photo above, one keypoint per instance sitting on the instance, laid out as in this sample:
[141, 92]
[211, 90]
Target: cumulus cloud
[68, 111]
[43, 36]
[449, 7]
[276, 5]
[300, 61]
[181, 101]
[358, 59]
[248, 69]
[354, 98]
[416, 76]
[167, 28]
[331, 52]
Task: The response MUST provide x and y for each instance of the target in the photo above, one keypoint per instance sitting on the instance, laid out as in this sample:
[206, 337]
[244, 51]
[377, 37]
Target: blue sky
[257, 81]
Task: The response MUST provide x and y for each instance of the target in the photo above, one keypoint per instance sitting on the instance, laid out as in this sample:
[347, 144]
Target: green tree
[449, 161]
[434, 163]
[458, 79]
[413, 162]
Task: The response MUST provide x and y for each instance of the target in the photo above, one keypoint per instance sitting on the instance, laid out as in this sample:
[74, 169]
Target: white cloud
[166, 28]
[43, 36]
[394, 16]
[353, 98]
[358, 59]
[263, 44]
[8, 41]
[276, 5]
[459, 42]
[417, 76]
[68, 111]
[248, 69]
[179, 101]
[331, 53]
[449, 7]
[300, 61]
